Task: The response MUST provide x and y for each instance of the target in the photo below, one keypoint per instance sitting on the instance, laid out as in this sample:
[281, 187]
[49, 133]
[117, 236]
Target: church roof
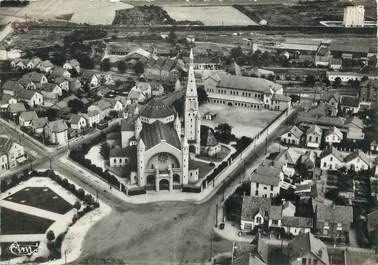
[157, 109]
[207, 137]
[153, 134]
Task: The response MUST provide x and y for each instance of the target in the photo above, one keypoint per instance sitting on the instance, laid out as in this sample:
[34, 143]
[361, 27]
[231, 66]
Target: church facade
[154, 149]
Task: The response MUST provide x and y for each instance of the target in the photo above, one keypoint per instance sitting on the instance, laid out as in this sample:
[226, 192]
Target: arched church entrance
[164, 184]
[176, 179]
[229, 104]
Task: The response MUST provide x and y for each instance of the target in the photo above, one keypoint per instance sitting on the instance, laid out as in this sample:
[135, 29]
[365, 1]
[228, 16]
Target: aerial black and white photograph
[166, 132]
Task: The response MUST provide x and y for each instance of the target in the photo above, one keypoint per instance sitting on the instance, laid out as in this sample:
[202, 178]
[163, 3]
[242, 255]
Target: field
[13, 222]
[83, 11]
[209, 15]
[244, 122]
[43, 198]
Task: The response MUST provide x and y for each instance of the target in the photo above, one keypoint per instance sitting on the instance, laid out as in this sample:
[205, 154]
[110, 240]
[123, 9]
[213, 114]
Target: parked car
[102, 125]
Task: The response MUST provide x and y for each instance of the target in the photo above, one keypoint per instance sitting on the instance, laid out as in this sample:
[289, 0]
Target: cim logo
[20, 250]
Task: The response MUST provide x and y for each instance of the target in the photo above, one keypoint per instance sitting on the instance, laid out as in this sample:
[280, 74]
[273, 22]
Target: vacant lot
[244, 122]
[209, 15]
[42, 198]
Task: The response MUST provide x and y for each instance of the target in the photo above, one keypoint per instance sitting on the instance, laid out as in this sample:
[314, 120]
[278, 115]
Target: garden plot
[209, 15]
[244, 122]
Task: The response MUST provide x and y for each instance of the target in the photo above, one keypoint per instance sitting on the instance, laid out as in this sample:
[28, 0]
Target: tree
[105, 65]
[337, 82]
[172, 37]
[223, 132]
[77, 205]
[50, 235]
[139, 68]
[236, 52]
[51, 114]
[310, 80]
[58, 59]
[122, 67]
[202, 95]
[85, 61]
[76, 105]
[6, 66]
[105, 151]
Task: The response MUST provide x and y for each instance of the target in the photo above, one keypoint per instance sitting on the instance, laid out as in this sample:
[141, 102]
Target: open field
[244, 122]
[210, 15]
[41, 197]
[83, 11]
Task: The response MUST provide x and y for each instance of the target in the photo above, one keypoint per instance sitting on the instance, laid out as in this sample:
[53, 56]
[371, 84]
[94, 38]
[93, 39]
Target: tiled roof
[40, 122]
[155, 133]
[296, 132]
[305, 244]
[12, 85]
[267, 175]
[245, 83]
[295, 221]
[350, 101]
[314, 129]
[157, 109]
[207, 137]
[25, 94]
[28, 115]
[75, 118]
[33, 77]
[57, 126]
[49, 87]
[332, 150]
[17, 107]
[335, 213]
[253, 205]
[336, 131]
[357, 154]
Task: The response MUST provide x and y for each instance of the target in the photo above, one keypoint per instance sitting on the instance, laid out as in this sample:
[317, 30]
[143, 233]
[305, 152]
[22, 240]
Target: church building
[154, 137]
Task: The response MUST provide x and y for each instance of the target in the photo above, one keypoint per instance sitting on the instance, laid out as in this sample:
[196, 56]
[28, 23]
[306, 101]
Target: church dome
[157, 109]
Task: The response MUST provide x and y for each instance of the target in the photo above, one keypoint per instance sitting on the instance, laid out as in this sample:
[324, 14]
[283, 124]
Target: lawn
[204, 168]
[209, 15]
[244, 122]
[13, 222]
[41, 197]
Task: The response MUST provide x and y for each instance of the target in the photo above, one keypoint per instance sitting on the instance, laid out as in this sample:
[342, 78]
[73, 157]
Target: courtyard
[244, 122]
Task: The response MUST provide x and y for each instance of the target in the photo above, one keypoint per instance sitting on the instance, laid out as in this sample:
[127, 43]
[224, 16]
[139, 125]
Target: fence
[260, 138]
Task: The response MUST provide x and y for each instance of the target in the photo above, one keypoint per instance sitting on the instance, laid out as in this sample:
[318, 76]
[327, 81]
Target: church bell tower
[192, 117]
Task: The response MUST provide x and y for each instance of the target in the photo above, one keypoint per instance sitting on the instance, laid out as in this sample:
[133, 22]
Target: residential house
[92, 117]
[15, 110]
[372, 225]
[350, 104]
[19, 63]
[357, 161]
[63, 83]
[266, 181]
[78, 122]
[369, 91]
[141, 92]
[355, 127]
[296, 225]
[10, 87]
[56, 132]
[31, 97]
[46, 66]
[92, 80]
[26, 118]
[255, 212]
[103, 107]
[293, 136]
[33, 80]
[333, 136]
[5, 101]
[307, 250]
[51, 91]
[11, 153]
[59, 72]
[38, 125]
[72, 64]
[33, 63]
[333, 221]
[331, 159]
[313, 136]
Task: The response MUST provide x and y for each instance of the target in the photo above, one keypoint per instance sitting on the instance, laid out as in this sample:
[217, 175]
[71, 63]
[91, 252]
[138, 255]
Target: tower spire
[191, 88]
